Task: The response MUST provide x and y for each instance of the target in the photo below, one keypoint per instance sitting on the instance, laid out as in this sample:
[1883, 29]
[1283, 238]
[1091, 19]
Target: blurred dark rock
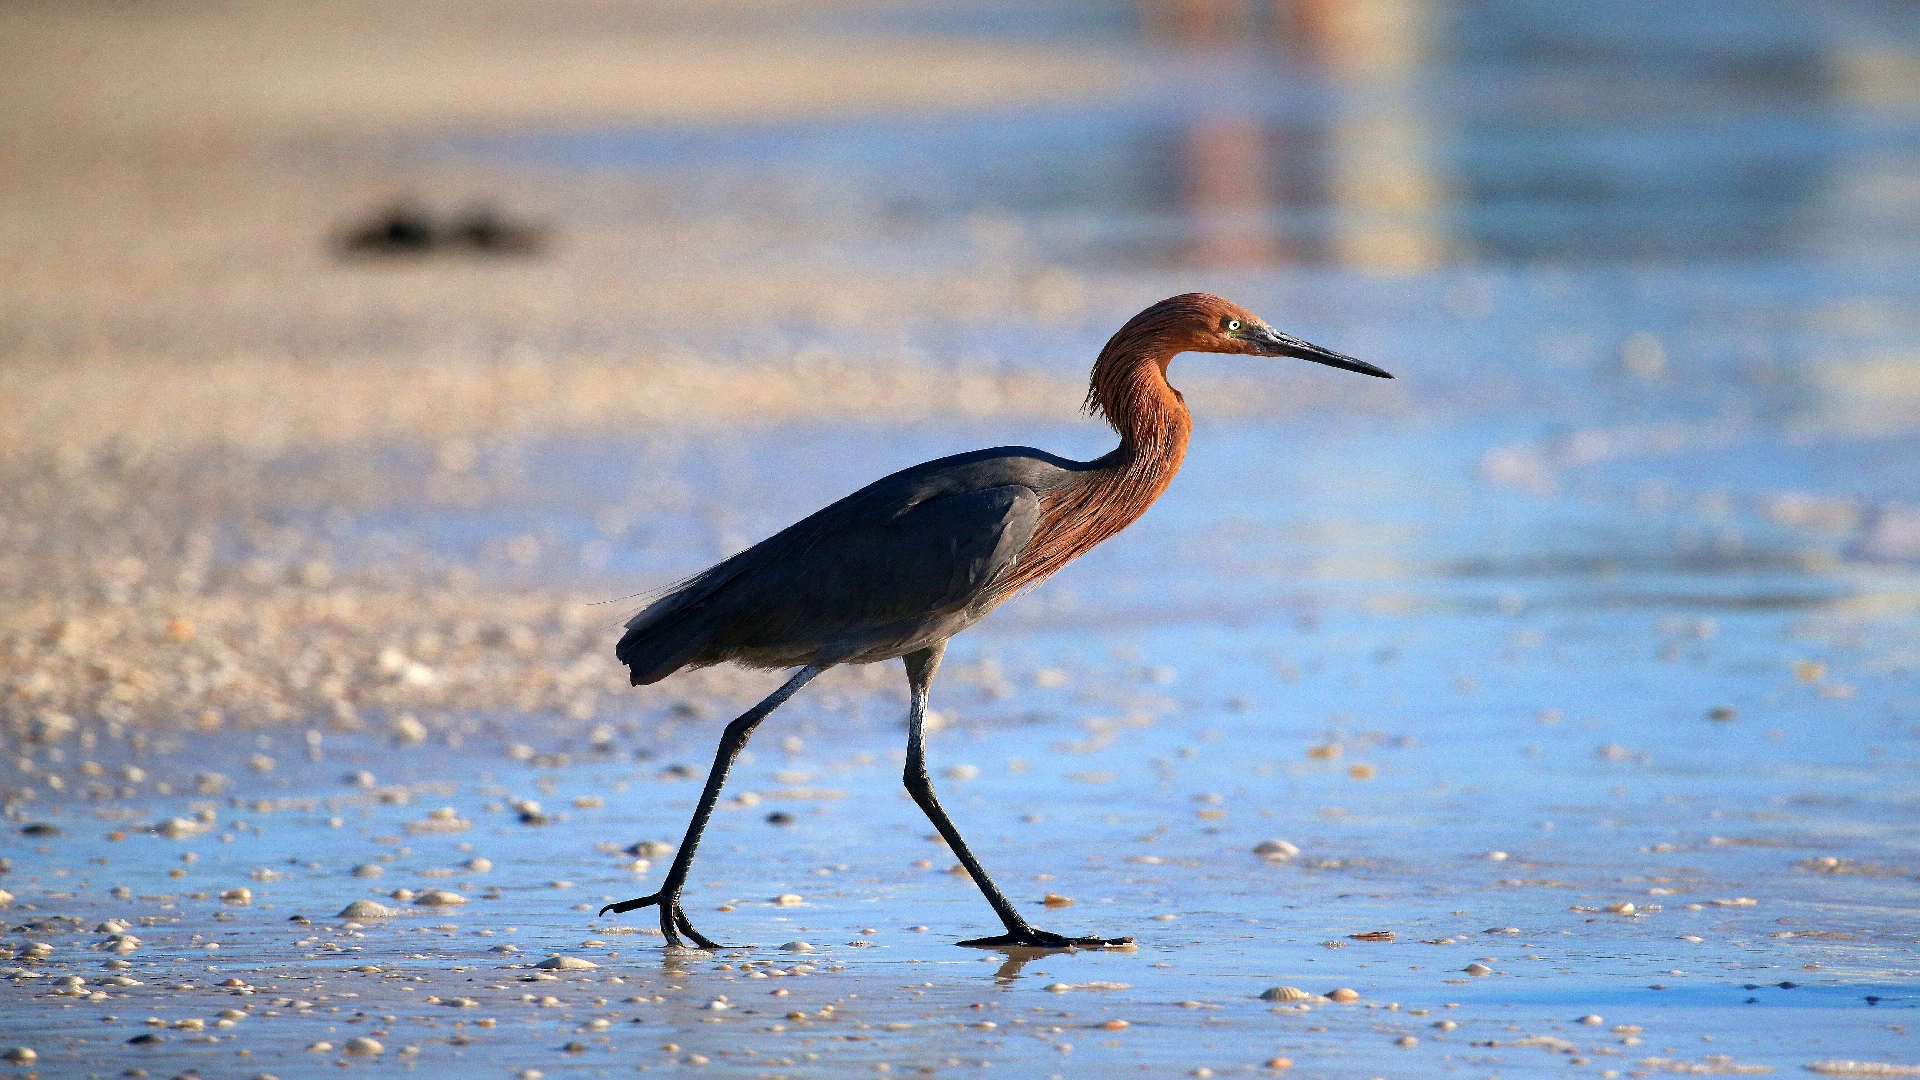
[406, 230]
[402, 229]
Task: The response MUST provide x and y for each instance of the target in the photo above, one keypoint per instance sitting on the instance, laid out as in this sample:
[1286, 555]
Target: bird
[899, 567]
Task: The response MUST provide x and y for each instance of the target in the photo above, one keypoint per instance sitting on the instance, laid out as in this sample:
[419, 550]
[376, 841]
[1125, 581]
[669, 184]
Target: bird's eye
[1232, 325]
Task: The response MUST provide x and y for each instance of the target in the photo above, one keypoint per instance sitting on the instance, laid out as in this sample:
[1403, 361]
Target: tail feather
[655, 652]
[672, 631]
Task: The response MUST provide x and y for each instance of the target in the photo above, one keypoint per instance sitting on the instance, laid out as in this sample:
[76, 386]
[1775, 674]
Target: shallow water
[1611, 599]
[1401, 135]
[1509, 672]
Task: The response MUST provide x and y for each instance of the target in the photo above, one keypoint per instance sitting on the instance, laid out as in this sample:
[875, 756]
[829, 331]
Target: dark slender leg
[920, 670]
[673, 921]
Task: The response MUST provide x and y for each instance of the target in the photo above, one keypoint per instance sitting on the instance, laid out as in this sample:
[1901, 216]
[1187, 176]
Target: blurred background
[523, 289]
[362, 365]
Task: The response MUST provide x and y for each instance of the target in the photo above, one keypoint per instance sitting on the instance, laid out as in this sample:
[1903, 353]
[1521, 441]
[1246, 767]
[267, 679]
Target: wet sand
[1575, 670]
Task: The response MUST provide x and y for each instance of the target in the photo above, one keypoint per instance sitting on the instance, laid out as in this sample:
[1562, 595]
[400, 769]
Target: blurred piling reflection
[1376, 180]
[1382, 188]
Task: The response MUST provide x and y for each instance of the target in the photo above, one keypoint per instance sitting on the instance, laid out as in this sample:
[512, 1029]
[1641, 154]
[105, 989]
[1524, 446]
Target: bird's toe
[630, 905]
[1043, 939]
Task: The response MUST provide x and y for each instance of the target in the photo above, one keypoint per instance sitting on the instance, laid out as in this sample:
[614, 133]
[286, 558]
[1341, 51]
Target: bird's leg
[673, 921]
[920, 670]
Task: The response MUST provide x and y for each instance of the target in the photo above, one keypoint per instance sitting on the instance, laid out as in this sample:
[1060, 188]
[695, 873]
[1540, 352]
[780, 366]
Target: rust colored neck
[1130, 389]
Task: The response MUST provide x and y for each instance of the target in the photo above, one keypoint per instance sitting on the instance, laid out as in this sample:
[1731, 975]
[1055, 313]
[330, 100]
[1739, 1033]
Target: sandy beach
[1551, 709]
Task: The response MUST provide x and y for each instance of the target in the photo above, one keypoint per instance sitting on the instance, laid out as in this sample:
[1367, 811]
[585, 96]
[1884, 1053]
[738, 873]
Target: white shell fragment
[557, 962]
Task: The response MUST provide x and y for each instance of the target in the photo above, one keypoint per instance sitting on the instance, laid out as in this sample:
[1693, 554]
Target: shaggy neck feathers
[1129, 389]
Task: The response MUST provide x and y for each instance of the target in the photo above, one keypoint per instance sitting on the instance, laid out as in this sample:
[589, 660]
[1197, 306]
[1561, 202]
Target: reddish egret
[900, 566]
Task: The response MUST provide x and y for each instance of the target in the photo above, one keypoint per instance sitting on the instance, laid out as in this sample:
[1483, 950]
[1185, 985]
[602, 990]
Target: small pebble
[1055, 900]
[439, 898]
[1344, 995]
[366, 909]
[557, 962]
[788, 900]
[796, 946]
[1280, 1064]
[1477, 969]
[479, 865]
[20, 1055]
[1276, 850]
[362, 1046]
[1406, 1040]
[1592, 1020]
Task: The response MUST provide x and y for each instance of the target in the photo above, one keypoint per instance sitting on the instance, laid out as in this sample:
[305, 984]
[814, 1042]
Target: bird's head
[1199, 322]
[1190, 322]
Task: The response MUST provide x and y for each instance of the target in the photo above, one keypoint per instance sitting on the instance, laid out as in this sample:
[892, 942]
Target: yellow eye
[1232, 325]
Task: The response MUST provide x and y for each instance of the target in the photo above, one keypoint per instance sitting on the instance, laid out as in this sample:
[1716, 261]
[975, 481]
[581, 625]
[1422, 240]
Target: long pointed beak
[1271, 342]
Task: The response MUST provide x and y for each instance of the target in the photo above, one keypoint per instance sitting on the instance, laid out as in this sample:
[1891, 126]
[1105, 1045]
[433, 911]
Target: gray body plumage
[904, 563]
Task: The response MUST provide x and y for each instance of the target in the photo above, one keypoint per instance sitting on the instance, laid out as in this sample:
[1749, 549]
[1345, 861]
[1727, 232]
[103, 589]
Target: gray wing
[939, 556]
[851, 572]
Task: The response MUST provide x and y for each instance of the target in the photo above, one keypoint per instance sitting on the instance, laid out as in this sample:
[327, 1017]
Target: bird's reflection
[1017, 958]
[673, 962]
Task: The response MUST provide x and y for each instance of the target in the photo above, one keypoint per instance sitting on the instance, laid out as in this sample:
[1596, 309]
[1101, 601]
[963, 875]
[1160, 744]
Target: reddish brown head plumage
[1190, 322]
[1129, 388]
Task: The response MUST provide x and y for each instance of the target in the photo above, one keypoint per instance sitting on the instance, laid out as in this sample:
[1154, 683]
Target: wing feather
[870, 565]
[934, 558]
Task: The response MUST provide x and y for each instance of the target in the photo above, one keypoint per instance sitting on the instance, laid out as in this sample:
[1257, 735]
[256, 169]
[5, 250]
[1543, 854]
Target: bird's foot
[1030, 938]
[673, 920]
